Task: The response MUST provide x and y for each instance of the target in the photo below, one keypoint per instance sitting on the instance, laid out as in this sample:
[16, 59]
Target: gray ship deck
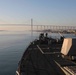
[43, 60]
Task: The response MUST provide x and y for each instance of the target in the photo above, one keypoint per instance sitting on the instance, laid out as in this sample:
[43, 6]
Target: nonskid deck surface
[38, 64]
[43, 60]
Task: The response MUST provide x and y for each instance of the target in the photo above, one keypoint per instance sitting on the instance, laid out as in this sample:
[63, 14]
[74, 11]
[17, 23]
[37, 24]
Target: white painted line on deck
[40, 49]
[69, 71]
[17, 73]
[66, 73]
[51, 52]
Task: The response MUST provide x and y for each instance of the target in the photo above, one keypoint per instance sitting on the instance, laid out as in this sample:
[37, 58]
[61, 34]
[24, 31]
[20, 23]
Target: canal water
[12, 46]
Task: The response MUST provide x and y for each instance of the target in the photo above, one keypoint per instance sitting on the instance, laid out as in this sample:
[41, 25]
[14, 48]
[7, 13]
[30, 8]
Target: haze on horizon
[44, 12]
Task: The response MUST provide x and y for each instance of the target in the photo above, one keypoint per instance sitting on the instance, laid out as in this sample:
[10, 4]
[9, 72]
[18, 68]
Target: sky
[43, 12]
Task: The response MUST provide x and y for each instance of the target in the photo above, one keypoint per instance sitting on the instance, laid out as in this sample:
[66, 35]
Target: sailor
[46, 38]
[41, 37]
[46, 35]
